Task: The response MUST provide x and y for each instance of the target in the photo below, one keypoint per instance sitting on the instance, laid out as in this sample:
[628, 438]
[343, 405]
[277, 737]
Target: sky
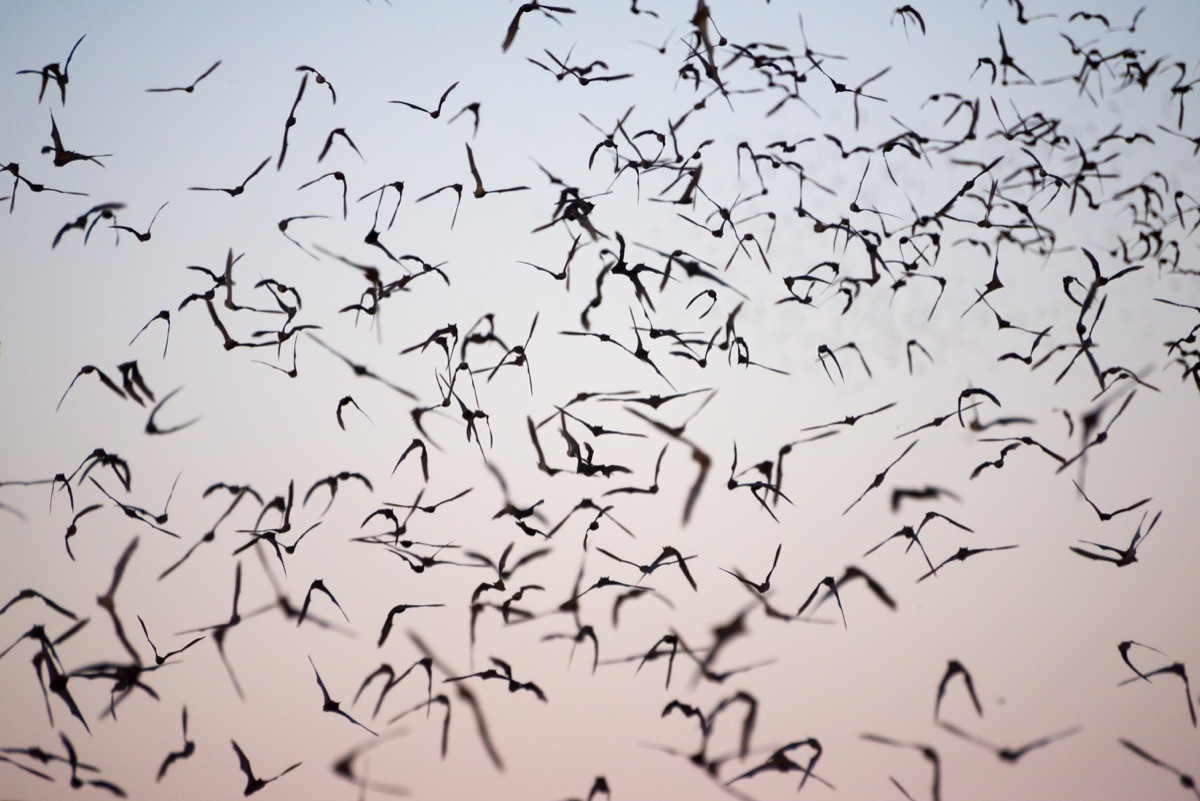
[773, 147]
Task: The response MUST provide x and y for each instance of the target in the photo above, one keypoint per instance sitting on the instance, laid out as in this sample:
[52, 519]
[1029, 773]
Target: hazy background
[1037, 626]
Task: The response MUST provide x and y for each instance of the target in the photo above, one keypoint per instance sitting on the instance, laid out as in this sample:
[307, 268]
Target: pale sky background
[1036, 626]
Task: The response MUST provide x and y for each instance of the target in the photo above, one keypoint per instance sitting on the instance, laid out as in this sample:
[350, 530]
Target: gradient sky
[1037, 626]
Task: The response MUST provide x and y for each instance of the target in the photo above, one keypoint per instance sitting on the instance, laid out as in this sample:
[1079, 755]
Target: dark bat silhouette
[189, 748]
[956, 668]
[237, 190]
[1185, 780]
[511, 34]
[192, 86]
[330, 705]
[253, 782]
[435, 113]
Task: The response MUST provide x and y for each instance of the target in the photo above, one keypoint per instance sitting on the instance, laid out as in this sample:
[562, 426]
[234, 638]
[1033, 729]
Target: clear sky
[760, 140]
